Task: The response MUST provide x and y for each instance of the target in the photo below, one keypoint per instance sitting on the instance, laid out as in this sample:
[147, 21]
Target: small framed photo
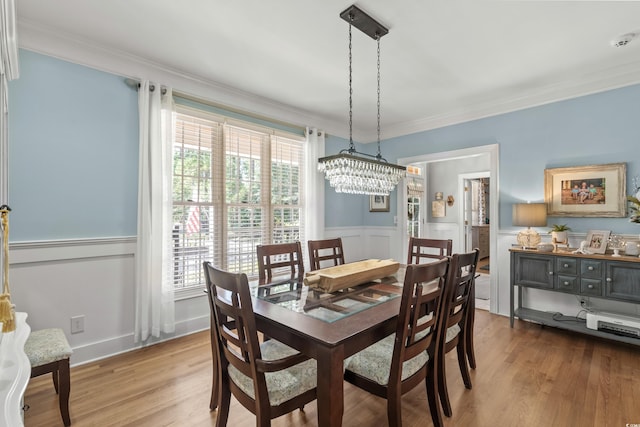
[378, 203]
[597, 241]
[437, 209]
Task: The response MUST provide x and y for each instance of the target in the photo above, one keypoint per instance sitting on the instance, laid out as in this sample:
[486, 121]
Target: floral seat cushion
[47, 346]
[452, 332]
[281, 385]
[374, 362]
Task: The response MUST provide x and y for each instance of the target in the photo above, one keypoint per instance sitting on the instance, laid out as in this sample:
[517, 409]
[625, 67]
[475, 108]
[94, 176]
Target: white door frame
[462, 178]
[493, 151]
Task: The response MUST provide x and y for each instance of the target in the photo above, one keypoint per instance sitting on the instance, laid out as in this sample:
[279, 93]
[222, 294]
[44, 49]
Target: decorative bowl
[545, 247]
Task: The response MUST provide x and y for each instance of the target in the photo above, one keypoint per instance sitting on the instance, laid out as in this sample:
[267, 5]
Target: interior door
[467, 217]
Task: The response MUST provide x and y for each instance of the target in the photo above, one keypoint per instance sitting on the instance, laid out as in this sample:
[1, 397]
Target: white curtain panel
[155, 307]
[8, 71]
[314, 185]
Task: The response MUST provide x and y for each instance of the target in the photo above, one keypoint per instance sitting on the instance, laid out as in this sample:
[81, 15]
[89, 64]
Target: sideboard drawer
[591, 287]
[591, 269]
[567, 266]
[567, 284]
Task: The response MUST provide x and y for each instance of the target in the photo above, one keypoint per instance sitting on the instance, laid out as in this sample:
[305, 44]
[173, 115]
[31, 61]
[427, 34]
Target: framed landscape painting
[595, 190]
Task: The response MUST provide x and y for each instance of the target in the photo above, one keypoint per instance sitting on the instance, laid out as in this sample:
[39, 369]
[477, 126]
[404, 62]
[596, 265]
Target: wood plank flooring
[526, 376]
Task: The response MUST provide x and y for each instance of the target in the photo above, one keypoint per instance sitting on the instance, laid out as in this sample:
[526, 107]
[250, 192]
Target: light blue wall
[73, 150]
[595, 129]
[342, 210]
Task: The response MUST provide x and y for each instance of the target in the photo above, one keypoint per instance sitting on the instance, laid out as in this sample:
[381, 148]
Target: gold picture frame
[378, 203]
[438, 209]
[586, 191]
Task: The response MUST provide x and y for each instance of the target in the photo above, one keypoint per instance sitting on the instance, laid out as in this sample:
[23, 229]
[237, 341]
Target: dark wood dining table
[331, 341]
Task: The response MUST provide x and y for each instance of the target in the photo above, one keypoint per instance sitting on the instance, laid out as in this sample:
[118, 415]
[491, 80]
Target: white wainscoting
[366, 242]
[55, 280]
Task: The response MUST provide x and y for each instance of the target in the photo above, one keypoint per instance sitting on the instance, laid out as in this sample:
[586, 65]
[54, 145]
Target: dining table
[328, 327]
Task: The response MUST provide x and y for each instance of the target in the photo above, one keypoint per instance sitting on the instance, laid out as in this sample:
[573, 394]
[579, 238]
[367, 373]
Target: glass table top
[327, 307]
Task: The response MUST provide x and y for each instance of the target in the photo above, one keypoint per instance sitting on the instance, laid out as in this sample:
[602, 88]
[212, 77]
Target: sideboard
[599, 276]
[15, 371]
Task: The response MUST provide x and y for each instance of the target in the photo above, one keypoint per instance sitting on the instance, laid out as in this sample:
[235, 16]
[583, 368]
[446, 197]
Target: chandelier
[350, 171]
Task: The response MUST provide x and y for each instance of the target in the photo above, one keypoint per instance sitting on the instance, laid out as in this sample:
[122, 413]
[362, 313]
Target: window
[235, 186]
[414, 199]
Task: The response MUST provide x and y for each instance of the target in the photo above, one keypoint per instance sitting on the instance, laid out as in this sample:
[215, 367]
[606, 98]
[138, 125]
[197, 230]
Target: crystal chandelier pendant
[351, 174]
[350, 171]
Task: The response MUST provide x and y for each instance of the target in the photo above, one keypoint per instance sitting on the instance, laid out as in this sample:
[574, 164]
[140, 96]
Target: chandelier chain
[379, 156]
[351, 145]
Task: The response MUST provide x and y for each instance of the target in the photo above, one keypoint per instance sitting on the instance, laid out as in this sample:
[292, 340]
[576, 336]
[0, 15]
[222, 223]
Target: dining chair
[279, 260]
[329, 250]
[269, 379]
[428, 248]
[401, 361]
[458, 318]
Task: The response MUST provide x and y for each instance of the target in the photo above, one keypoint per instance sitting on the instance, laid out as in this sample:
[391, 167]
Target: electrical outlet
[77, 324]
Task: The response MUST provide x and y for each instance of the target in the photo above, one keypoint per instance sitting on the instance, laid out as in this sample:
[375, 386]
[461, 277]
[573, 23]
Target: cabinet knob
[590, 268]
[566, 266]
[609, 279]
[566, 283]
[590, 286]
[551, 273]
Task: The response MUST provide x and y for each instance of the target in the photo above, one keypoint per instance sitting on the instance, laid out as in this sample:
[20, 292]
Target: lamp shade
[530, 214]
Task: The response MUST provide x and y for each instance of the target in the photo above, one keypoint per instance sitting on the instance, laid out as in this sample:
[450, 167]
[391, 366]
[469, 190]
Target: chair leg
[469, 332]
[462, 362]
[224, 400]
[54, 375]
[64, 382]
[442, 387]
[394, 414]
[432, 395]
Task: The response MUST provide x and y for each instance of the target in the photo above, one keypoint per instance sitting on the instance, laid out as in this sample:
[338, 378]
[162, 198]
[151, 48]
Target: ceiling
[442, 62]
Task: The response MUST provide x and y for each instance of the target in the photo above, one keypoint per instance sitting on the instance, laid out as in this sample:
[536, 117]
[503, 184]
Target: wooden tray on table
[333, 279]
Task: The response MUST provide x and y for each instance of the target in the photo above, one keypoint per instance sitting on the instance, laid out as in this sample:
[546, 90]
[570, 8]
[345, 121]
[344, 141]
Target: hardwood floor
[526, 376]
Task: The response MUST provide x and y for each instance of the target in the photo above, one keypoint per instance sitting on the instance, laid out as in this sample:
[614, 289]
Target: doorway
[458, 231]
[475, 224]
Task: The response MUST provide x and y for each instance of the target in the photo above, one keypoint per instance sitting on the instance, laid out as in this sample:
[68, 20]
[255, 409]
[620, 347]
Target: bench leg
[64, 382]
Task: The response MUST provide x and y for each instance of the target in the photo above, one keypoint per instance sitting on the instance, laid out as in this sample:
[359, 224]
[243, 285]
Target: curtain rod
[136, 85]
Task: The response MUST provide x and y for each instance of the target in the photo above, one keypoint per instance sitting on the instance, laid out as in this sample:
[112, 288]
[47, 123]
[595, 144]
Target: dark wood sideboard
[597, 276]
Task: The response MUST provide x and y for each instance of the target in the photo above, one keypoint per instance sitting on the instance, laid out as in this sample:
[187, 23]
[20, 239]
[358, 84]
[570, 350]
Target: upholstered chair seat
[374, 362]
[282, 385]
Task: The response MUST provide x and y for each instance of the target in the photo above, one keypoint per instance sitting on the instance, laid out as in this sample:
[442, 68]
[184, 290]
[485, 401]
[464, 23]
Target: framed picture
[597, 241]
[378, 203]
[437, 208]
[595, 190]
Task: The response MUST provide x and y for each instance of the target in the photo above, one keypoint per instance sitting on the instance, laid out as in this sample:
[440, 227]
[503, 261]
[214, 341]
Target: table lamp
[529, 215]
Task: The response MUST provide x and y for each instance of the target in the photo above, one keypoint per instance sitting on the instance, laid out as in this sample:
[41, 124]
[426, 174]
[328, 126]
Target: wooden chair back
[418, 330]
[325, 251]
[458, 319]
[236, 338]
[420, 248]
[279, 259]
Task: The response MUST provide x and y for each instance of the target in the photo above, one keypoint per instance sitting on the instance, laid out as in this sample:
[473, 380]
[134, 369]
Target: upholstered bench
[49, 351]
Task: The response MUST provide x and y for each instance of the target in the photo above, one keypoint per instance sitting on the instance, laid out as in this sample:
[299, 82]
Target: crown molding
[70, 48]
[47, 41]
[569, 88]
